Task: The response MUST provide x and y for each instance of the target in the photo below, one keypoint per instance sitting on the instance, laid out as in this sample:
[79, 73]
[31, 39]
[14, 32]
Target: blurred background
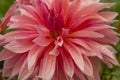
[105, 73]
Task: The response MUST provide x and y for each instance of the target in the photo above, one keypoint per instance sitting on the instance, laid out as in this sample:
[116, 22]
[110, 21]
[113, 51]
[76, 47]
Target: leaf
[116, 73]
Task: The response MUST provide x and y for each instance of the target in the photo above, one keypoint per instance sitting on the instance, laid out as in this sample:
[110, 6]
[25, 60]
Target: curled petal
[8, 15]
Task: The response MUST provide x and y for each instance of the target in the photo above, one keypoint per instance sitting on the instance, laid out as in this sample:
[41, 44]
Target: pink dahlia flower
[58, 40]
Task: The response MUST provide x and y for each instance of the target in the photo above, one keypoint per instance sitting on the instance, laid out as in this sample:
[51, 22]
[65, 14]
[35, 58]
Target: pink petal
[65, 32]
[7, 72]
[59, 41]
[19, 18]
[110, 36]
[30, 12]
[96, 67]
[2, 38]
[75, 54]
[96, 48]
[86, 1]
[86, 34]
[98, 27]
[43, 10]
[9, 13]
[43, 40]
[33, 55]
[35, 73]
[19, 46]
[87, 10]
[108, 15]
[58, 6]
[6, 54]
[18, 65]
[79, 75]
[42, 30]
[68, 66]
[77, 21]
[84, 47]
[88, 68]
[80, 42]
[24, 72]
[17, 25]
[48, 2]
[55, 51]
[23, 1]
[110, 55]
[60, 73]
[13, 60]
[8, 37]
[47, 67]
[27, 35]
[70, 9]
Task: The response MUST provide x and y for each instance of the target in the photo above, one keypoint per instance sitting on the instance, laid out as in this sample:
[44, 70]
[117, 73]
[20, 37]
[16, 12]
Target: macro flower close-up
[58, 39]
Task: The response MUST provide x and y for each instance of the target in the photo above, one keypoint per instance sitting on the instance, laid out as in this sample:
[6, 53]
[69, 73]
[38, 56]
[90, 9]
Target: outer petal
[8, 37]
[47, 67]
[111, 36]
[86, 34]
[48, 2]
[80, 42]
[23, 1]
[18, 65]
[76, 55]
[7, 72]
[108, 53]
[88, 68]
[2, 38]
[27, 35]
[30, 12]
[19, 46]
[108, 15]
[27, 19]
[79, 20]
[9, 13]
[13, 60]
[95, 48]
[79, 75]
[6, 54]
[33, 55]
[97, 7]
[98, 27]
[68, 66]
[96, 68]
[43, 40]
[24, 72]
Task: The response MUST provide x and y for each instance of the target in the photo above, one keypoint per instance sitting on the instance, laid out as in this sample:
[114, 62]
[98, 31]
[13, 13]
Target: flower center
[54, 23]
[54, 35]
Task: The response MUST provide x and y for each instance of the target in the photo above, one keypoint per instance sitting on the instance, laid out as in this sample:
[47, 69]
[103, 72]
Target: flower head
[59, 40]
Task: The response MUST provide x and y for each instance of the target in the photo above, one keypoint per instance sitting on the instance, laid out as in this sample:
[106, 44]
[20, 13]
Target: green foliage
[4, 5]
[115, 8]
[114, 73]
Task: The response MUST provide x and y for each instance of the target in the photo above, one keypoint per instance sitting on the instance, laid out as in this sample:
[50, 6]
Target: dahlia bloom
[58, 40]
